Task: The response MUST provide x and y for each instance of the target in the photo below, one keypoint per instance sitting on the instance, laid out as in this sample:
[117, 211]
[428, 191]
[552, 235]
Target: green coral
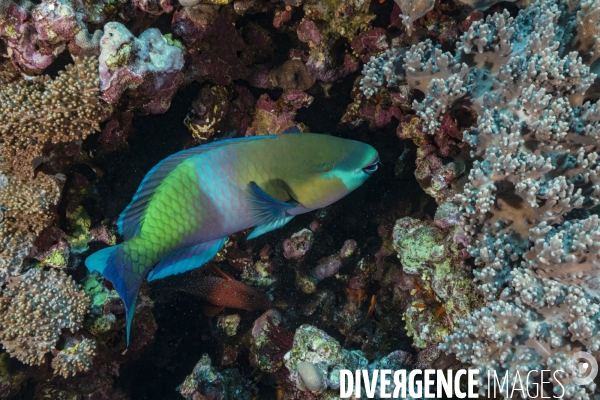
[313, 345]
[173, 42]
[121, 57]
[97, 292]
[100, 325]
[80, 223]
[58, 259]
[433, 254]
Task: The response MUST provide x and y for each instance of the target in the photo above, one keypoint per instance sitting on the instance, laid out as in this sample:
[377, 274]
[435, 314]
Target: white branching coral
[494, 61]
[34, 309]
[413, 10]
[535, 176]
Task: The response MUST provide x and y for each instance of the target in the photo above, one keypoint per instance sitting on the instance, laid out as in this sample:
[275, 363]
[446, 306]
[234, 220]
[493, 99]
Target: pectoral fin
[187, 259]
[264, 228]
[272, 212]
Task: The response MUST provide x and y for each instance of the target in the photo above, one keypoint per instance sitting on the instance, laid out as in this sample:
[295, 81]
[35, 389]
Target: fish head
[329, 169]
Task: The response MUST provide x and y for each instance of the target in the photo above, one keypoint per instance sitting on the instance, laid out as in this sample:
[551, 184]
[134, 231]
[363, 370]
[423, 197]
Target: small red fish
[225, 292]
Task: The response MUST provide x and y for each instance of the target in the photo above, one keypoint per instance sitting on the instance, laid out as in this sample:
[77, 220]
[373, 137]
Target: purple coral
[329, 266]
[154, 7]
[298, 245]
[309, 33]
[17, 28]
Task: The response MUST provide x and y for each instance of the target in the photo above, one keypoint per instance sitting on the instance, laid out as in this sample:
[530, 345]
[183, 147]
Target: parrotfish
[189, 203]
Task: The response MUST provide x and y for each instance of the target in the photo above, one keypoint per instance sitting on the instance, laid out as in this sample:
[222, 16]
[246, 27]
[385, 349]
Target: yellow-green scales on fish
[189, 203]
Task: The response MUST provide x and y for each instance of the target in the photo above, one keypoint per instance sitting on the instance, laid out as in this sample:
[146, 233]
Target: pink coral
[154, 7]
[377, 110]
[277, 116]
[308, 33]
[370, 44]
[298, 245]
[22, 40]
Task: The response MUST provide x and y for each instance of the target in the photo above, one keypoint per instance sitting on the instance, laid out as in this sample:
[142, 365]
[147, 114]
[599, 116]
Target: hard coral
[40, 110]
[206, 382]
[24, 47]
[298, 245]
[278, 116]
[59, 22]
[34, 309]
[437, 256]
[208, 109]
[309, 377]
[326, 358]
[154, 7]
[76, 356]
[25, 211]
[148, 69]
[291, 75]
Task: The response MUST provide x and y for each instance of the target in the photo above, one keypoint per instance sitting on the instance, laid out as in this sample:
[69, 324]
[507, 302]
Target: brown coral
[291, 75]
[76, 356]
[40, 110]
[34, 308]
[25, 206]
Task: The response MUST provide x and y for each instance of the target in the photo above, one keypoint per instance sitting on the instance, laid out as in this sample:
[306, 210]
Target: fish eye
[327, 167]
[372, 167]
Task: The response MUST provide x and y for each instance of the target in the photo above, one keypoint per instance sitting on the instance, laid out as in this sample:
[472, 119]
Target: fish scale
[189, 203]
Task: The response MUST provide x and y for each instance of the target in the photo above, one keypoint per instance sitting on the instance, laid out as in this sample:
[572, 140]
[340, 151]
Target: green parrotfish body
[189, 203]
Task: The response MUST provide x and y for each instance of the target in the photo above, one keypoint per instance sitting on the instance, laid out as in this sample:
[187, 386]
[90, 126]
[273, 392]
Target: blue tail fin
[111, 263]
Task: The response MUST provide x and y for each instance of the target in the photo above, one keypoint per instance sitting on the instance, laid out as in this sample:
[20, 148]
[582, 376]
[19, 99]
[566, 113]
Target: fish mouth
[372, 166]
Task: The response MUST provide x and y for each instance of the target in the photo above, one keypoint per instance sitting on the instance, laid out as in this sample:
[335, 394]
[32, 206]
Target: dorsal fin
[223, 274]
[131, 219]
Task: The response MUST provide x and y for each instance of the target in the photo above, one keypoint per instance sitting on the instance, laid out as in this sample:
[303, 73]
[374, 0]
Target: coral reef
[147, 69]
[207, 111]
[536, 167]
[278, 116]
[36, 34]
[475, 245]
[315, 360]
[40, 110]
[26, 211]
[207, 382]
[76, 356]
[298, 245]
[437, 256]
[36, 306]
